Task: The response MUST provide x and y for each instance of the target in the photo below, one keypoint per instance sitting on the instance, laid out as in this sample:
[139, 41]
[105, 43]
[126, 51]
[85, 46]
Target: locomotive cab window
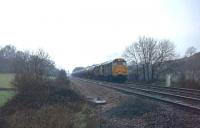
[119, 63]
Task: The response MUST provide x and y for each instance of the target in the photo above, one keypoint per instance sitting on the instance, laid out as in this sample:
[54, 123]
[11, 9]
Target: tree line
[148, 58]
[14, 61]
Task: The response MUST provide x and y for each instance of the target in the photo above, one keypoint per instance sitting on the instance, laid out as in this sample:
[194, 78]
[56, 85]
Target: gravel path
[125, 111]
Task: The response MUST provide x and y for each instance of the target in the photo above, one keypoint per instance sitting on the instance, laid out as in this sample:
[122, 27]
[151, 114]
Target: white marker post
[168, 80]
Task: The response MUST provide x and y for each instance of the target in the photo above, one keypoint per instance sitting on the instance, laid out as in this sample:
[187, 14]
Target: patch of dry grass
[45, 105]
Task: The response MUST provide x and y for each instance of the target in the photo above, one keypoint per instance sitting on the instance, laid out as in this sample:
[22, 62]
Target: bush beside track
[44, 98]
[42, 103]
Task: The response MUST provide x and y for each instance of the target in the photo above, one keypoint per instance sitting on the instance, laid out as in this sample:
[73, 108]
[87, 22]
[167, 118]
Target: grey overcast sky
[85, 32]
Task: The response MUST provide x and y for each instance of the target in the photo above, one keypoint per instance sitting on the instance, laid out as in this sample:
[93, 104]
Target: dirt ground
[129, 111]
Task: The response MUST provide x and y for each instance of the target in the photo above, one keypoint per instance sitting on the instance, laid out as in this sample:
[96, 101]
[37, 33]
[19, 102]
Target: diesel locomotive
[115, 70]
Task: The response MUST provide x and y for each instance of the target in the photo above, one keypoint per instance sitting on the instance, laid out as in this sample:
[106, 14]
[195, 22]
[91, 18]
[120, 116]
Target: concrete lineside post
[168, 80]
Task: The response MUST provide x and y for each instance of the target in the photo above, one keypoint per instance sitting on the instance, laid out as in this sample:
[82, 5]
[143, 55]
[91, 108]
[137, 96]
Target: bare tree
[146, 50]
[142, 53]
[192, 67]
[7, 55]
[131, 55]
[190, 51]
[149, 54]
[40, 63]
[62, 79]
[32, 66]
[165, 52]
[8, 51]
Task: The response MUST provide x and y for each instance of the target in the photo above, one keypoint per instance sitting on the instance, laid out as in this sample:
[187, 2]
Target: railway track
[168, 90]
[182, 91]
[176, 97]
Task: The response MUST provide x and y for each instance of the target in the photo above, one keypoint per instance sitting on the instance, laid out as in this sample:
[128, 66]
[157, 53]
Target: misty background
[81, 33]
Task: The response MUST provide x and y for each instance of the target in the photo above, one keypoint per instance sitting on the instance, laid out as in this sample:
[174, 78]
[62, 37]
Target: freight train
[115, 70]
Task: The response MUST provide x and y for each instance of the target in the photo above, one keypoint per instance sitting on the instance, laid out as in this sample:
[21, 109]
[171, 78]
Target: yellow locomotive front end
[119, 70]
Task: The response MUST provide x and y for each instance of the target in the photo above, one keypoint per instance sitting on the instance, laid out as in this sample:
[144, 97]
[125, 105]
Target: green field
[5, 79]
[5, 82]
[5, 96]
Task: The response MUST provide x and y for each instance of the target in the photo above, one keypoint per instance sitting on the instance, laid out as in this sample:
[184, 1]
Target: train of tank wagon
[115, 70]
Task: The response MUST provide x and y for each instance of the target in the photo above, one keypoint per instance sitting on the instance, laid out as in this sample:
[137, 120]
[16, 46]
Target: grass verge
[5, 96]
[5, 79]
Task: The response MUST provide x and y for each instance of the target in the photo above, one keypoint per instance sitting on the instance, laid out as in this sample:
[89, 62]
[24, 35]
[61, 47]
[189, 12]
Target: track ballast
[182, 97]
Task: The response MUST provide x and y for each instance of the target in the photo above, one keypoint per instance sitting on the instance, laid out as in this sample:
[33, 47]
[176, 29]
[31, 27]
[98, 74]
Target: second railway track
[182, 91]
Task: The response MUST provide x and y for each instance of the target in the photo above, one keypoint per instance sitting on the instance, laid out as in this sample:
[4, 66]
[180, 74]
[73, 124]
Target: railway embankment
[127, 111]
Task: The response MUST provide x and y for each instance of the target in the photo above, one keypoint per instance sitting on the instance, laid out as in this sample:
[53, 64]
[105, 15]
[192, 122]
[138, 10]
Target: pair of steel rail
[186, 98]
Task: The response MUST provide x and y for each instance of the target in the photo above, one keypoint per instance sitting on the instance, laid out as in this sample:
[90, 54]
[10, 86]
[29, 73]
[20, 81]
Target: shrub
[42, 104]
[34, 96]
[56, 116]
[62, 79]
[50, 116]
